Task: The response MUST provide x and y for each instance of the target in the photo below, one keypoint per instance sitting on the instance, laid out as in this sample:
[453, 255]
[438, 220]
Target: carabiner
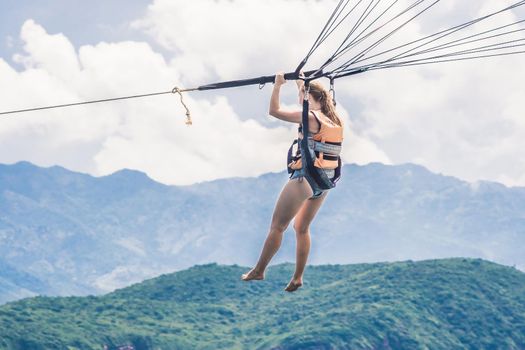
[332, 90]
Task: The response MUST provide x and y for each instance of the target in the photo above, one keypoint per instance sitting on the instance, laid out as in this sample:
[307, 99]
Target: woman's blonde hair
[320, 94]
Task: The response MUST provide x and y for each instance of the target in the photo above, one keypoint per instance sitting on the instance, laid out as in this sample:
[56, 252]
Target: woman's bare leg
[301, 226]
[292, 196]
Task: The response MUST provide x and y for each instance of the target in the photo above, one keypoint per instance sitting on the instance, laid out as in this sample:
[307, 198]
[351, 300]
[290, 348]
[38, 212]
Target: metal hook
[332, 90]
[306, 89]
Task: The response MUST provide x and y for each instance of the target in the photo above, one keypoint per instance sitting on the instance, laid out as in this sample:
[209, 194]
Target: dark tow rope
[84, 102]
[175, 90]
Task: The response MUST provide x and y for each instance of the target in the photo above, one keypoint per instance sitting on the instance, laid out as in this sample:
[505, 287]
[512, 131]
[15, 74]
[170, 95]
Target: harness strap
[291, 157]
[319, 177]
[325, 147]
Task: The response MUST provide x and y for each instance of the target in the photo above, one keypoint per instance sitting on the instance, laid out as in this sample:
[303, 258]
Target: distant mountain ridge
[76, 234]
[432, 304]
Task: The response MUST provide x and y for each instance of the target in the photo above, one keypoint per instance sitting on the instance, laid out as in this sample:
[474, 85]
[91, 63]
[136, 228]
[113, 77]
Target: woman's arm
[275, 106]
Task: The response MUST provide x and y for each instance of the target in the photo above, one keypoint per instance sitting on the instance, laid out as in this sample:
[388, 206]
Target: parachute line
[366, 27]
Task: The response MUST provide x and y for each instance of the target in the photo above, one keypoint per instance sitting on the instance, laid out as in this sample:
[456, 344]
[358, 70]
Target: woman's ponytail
[325, 99]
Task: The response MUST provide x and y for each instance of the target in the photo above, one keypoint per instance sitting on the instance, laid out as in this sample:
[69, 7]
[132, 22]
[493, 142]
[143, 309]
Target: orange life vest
[326, 145]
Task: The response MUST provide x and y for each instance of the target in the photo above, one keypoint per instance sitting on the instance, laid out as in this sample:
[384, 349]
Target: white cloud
[462, 119]
[61, 62]
[217, 145]
[466, 132]
[148, 134]
[235, 38]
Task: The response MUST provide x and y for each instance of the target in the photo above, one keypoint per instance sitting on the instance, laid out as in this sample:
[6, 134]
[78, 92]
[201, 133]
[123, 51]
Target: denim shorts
[300, 174]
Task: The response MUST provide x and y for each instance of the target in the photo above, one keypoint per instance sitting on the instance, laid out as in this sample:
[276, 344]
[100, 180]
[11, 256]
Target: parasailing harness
[325, 145]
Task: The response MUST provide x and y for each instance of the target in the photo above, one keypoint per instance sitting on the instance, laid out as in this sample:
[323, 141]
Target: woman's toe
[293, 286]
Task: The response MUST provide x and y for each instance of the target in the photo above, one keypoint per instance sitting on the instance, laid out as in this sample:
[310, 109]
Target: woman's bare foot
[253, 274]
[293, 285]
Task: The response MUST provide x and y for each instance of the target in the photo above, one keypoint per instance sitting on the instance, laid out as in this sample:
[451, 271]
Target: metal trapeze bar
[257, 81]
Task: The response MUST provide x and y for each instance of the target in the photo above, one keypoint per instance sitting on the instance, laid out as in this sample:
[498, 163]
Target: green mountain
[433, 304]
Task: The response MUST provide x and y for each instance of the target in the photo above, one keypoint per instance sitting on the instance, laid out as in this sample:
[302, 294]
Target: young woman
[300, 199]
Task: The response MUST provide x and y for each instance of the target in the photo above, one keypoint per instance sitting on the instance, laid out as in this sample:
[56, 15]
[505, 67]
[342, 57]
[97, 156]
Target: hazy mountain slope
[79, 234]
[15, 284]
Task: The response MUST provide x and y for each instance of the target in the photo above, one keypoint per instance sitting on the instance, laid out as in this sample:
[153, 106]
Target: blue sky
[83, 22]
[460, 119]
